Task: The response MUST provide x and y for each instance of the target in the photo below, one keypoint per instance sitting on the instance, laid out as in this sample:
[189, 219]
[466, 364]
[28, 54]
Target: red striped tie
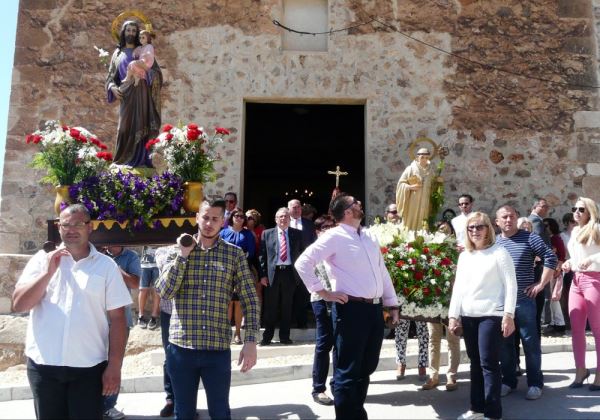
[283, 248]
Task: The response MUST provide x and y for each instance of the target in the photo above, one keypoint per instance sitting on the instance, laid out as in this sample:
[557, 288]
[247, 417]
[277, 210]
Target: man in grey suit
[539, 211]
[279, 248]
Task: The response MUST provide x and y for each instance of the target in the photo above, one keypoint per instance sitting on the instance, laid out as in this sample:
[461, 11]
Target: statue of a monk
[139, 111]
[414, 190]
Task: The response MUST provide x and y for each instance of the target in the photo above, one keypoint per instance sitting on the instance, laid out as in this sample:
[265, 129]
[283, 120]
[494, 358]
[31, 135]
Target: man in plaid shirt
[200, 281]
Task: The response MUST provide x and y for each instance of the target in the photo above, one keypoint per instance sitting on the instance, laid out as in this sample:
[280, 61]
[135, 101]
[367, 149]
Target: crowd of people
[516, 279]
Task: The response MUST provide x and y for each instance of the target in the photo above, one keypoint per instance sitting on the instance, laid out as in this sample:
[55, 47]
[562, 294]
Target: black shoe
[152, 325]
[286, 341]
[264, 343]
[142, 322]
[322, 398]
[594, 387]
[575, 384]
[168, 409]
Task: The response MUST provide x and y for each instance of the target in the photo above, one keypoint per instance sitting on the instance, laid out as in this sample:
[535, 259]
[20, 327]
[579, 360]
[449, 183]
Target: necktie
[283, 248]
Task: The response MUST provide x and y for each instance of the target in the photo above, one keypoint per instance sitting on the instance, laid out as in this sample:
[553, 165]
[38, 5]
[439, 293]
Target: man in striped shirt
[200, 283]
[523, 247]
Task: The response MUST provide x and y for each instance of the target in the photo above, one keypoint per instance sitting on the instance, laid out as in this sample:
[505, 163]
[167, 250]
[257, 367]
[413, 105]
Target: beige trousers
[435, 348]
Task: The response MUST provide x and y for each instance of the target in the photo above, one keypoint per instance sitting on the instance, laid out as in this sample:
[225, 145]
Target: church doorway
[289, 148]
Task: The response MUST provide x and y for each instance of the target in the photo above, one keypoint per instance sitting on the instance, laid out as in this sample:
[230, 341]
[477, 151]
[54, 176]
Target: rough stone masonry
[511, 138]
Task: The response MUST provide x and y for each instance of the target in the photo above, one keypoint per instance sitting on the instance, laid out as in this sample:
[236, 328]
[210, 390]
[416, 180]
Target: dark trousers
[323, 346]
[301, 305]
[483, 340]
[358, 334]
[62, 392]
[165, 320]
[279, 298]
[187, 367]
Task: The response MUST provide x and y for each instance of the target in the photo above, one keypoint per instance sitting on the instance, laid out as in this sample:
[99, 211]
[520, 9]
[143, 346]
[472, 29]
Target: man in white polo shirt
[74, 355]
[459, 223]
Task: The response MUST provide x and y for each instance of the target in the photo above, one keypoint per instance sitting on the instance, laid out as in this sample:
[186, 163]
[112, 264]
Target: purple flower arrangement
[128, 197]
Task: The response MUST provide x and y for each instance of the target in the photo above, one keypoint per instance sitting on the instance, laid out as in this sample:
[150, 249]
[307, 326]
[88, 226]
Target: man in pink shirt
[361, 287]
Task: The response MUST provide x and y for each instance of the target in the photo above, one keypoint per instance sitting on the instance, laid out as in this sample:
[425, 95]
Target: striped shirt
[523, 247]
[200, 287]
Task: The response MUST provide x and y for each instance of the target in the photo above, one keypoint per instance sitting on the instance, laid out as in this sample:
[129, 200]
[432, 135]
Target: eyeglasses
[578, 209]
[463, 204]
[393, 211]
[351, 204]
[239, 216]
[251, 218]
[77, 225]
[478, 228]
[229, 201]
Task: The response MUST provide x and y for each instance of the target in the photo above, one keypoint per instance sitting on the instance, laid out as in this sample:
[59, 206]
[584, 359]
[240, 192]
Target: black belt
[375, 301]
[283, 267]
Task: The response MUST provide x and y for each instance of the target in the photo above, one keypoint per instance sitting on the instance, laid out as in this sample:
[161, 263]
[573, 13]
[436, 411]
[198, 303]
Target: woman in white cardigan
[482, 307]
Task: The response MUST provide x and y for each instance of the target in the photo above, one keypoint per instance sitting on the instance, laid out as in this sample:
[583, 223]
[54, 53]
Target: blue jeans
[483, 340]
[165, 320]
[187, 367]
[358, 333]
[323, 346]
[525, 319]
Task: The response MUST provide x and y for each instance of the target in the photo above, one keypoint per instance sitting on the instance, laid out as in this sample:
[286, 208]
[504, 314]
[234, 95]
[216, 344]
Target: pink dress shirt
[355, 264]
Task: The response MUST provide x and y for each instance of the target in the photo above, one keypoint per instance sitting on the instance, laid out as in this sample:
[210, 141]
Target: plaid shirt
[200, 287]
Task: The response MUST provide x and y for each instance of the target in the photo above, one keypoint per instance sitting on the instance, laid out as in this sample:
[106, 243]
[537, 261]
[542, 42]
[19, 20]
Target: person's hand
[53, 259]
[454, 326]
[395, 313]
[111, 380]
[566, 267]
[533, 289]
[337, 297]
[264, 281]
[116, 92]
[247, 356]
[584, 264]
[508, 325]
[184, 251]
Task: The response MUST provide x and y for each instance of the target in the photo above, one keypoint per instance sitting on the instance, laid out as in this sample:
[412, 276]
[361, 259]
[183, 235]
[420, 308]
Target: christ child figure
[143, 59]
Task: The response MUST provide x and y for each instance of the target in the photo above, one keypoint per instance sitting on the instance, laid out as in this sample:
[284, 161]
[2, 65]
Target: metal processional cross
[337, 174]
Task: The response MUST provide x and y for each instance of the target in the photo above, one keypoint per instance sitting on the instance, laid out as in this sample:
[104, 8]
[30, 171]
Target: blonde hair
[491, 234]
[589, 233]
[522, 221]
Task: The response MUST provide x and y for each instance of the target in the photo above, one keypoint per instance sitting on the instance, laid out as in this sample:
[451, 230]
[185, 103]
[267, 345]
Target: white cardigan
[485, 285]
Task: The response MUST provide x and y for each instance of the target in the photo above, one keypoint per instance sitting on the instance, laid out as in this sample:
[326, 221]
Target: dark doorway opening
[289, 148]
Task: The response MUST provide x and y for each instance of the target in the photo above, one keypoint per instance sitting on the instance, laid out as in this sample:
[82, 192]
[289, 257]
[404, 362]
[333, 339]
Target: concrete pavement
[388, 398]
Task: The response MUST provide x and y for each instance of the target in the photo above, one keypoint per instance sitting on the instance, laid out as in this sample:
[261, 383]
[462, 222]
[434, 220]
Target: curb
[267, 374]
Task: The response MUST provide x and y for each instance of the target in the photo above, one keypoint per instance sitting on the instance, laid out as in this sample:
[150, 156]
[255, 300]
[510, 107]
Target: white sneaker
[470, 415]
[533, 393]
[114, 414]
[505, 390]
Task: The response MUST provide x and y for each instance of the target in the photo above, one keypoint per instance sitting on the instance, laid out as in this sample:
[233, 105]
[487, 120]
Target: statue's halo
[416, 144]
[127, 15]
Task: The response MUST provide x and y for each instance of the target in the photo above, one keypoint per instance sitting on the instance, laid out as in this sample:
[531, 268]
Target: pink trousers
[584, 304]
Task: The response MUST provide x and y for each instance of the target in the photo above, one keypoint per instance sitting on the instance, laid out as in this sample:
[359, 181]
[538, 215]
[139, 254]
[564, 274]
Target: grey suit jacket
[269, 252]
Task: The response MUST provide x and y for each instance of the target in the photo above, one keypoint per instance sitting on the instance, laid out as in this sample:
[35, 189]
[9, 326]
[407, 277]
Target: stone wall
[511, 138]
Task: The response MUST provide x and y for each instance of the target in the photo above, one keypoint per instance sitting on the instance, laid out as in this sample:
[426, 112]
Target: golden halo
[417, 142]
[126, 15]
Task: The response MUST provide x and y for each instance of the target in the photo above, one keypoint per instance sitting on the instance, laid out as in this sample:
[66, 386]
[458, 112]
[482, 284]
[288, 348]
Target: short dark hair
[232, 193]
[323, 222]
[217, 202]
[469, 196]
[338, 206]
[233, 213]
[568, 218]
[77, 208]
[552, 225]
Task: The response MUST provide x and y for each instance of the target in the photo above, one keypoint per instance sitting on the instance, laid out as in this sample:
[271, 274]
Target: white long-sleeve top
[579, 251]
[485, 285]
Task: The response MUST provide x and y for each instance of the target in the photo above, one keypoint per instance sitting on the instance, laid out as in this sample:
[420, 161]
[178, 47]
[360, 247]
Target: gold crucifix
[337, 174]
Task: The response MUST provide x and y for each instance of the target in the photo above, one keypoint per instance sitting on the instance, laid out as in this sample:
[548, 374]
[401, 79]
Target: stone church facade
[525, 125]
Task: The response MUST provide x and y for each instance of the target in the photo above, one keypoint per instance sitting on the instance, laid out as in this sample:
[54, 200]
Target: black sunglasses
[579, 209]
[393, 211]
[478, 228]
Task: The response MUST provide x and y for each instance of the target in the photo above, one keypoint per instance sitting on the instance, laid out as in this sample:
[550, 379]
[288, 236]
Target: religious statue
[139, 110]
[414, 191]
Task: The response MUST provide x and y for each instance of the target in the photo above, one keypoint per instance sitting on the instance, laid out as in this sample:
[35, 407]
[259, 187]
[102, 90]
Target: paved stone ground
[388, 398]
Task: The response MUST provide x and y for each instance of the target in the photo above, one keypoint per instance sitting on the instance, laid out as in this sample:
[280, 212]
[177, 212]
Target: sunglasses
[463, 204]
[350, 204]
[393, 211]
[239, 216]
[478, 228]
[578, 209]
[229, 201]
